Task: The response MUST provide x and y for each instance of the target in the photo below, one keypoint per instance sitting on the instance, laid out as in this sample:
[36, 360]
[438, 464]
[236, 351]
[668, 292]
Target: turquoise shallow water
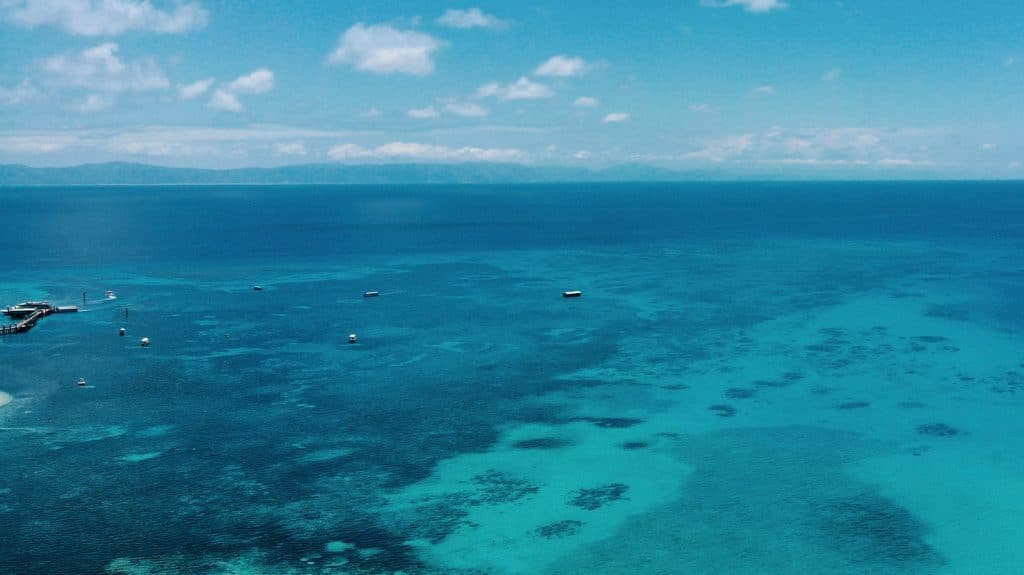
[785, 378]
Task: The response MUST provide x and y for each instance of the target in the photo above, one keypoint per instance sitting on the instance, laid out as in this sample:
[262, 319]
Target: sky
[823, 88]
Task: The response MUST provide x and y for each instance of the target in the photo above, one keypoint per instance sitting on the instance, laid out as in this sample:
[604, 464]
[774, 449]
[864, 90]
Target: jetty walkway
[29, 313]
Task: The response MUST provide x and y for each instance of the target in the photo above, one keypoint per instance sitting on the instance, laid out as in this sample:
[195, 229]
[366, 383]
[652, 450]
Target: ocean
[793, 378]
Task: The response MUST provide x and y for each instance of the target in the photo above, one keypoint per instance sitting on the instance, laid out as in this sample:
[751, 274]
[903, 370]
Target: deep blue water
[164, 224]
[250, 429]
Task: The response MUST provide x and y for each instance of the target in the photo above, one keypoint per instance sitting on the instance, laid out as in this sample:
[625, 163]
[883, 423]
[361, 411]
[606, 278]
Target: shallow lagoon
[790, 378]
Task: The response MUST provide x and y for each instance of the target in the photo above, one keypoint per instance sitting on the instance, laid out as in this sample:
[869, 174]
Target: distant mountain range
[138, 174]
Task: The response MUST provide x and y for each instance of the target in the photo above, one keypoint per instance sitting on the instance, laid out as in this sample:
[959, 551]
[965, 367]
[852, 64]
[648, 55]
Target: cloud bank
[748, 5]
[424, 152]
[521, 89]
[100, 69]
[104, 17]
[472, 18]
[562, 66]
[384, 49]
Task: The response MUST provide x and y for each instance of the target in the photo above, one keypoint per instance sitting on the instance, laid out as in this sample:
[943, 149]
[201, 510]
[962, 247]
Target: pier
[29, 313]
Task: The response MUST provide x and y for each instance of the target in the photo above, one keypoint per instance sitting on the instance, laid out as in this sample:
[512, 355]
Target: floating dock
[29, 313]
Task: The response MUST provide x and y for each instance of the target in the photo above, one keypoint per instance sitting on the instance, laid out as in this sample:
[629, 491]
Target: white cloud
[196, 138]
[259, 81]
[93, 103]
[256, 82]
[903, 162]
[423, 113]
[615, 118]
[582, 155]
[472, 18]
[37, 143]
[101, 70]
[724, 149]
[466, 109]
[226, 101]
[195, 89]
[764, 90]
[586, 102]
[748, 5]
[562, 66]
[371, 113]
[700, 107]
[521, 89]
[988, 147]
[167, 141]
[291, 149]
[832, 146]
[832, 74]
[218, 147]
[384, 49]
[428, 152]
[104, 17]
[150, 149]
[23, 92]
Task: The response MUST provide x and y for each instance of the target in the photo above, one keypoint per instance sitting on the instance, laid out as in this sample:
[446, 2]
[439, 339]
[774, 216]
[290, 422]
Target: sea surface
[791, 378]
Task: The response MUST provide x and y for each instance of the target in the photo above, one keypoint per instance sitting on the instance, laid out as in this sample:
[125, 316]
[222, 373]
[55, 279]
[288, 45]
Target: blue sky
[799, 87]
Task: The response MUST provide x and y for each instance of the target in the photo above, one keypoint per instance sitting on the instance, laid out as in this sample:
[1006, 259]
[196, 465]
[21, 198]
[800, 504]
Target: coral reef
[597, 497]
[559, 529]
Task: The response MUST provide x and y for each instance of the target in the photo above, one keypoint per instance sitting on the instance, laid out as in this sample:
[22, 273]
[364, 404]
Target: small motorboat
[352, 338]
[371, 294]
[574, 293]
[81, 382]
[111, 294]
[257, 288]
[144, 342]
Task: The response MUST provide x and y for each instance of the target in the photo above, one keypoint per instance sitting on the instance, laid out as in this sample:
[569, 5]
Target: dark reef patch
[869, 525]
[930, 338]
[955, 312]
[498, 487]
[768, 500]
[597, 497]
[853, 405]
[629, 445]
[676, 386]
[559, 529]
[541, 443]
[434, 521]
[723, 410]
[773, 383]
[739, 393]
[1010, 382]
[610, 422]
[938, 430]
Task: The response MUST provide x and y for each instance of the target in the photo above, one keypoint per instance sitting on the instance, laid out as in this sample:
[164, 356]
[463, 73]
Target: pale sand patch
[502, 536]
[970, 500]
[137, 457]
[5, 398]
[326, 455]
